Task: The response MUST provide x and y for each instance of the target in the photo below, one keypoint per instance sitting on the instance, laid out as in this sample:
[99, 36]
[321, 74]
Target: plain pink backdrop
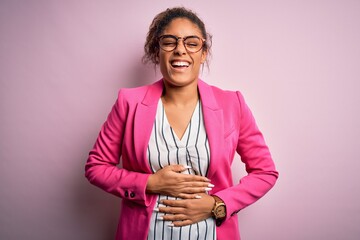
[296, 62]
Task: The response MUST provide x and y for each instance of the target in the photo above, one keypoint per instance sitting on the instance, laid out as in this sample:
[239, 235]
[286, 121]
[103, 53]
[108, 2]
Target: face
[179, 67]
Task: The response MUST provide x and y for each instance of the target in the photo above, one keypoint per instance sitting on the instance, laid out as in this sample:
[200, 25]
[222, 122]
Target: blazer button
[132, 194]
[126, 193]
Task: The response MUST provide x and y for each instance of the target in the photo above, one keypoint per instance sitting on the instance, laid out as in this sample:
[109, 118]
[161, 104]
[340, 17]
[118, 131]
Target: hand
[170, 181]
[187, 211]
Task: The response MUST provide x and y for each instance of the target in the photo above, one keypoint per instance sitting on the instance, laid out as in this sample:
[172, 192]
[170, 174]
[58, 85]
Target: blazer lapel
[214, 125]
[144, 121]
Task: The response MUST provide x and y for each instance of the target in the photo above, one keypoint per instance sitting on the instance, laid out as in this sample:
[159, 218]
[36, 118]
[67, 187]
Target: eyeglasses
[192, 44]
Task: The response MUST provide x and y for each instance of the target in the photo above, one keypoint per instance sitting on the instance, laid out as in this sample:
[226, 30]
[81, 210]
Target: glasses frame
[183, 40]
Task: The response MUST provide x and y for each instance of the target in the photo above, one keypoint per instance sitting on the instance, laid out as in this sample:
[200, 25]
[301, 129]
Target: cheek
[198, 60]
[163, 57]
[162, 64]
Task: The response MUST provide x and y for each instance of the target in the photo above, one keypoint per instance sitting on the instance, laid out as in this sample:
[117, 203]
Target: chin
[179, 81]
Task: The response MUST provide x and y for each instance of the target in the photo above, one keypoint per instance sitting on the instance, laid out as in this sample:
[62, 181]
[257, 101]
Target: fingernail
[197, 197]
[156, 209]
[211, 185]
[170, 225]
[187, 167]
[208, 180]
[208, 189]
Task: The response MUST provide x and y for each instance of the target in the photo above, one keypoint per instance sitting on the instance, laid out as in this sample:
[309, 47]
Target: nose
[180, 47]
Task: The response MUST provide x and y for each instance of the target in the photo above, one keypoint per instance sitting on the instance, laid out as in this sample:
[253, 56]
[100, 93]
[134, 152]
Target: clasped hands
[194, 206]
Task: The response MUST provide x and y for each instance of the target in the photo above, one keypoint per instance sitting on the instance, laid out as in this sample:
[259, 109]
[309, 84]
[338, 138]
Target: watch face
[220, 211]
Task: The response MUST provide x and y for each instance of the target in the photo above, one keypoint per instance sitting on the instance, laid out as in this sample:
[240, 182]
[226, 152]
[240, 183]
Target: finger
[174, 217]
[196, 190]
[176, 203]
[178, 168]
[181, 223]
[195, 178]
[198, 184]
[171, 210]
[189, 196]
[181, 182]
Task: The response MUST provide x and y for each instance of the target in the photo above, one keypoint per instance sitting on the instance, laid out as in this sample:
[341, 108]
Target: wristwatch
[219, 210]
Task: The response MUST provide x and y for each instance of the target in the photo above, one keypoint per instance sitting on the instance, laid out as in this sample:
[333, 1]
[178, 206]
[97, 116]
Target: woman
[177, 139]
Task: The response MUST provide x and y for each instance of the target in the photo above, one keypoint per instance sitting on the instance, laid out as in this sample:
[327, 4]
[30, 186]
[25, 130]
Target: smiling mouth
[180, 64]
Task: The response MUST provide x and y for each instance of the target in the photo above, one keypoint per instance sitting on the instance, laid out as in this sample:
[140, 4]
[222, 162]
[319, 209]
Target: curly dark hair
[161, 21]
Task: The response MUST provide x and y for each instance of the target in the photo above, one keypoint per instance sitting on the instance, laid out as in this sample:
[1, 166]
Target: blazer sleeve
[260, 167]
[101, 168]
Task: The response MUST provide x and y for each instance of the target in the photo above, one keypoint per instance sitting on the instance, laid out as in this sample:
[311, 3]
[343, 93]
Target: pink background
[296, 62]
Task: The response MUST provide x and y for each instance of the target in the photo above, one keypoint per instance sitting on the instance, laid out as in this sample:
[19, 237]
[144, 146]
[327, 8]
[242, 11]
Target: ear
[203, 56]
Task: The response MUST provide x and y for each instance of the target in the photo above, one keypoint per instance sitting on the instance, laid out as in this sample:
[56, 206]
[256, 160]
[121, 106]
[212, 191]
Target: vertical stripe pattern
[166, 148]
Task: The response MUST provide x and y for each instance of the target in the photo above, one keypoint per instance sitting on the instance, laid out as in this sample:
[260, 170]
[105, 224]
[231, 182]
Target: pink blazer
[230, 127]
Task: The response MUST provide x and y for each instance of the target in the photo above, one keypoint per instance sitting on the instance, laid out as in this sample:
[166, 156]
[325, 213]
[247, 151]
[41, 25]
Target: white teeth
[180, 64]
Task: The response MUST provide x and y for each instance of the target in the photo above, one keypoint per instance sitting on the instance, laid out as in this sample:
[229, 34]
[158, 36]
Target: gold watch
[219, 210]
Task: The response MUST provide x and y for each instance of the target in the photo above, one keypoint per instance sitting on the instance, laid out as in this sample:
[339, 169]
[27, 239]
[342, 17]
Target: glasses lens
[168, 43]
[193, 44]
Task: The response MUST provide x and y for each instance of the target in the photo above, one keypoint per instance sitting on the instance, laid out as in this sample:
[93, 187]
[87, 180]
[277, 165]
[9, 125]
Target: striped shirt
[165, 148]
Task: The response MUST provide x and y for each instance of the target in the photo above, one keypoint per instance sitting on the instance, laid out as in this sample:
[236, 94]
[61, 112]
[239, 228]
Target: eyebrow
[170, 35]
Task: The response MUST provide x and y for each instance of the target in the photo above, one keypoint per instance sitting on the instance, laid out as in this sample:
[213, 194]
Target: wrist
[150, 184]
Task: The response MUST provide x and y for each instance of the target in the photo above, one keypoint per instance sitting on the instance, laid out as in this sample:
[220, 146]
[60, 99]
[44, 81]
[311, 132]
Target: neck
[180, 96]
